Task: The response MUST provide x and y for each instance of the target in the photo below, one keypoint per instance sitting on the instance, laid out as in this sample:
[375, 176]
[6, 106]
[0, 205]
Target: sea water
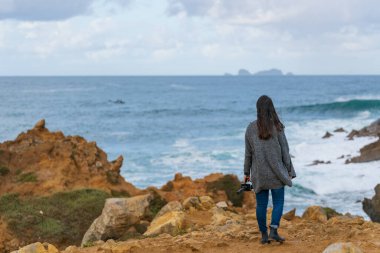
[196, 125]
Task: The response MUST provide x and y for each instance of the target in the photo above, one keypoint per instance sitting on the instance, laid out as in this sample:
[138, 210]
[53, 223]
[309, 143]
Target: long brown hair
[267, 118]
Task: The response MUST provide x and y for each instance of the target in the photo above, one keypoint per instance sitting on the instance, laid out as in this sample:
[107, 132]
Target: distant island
[269, 72]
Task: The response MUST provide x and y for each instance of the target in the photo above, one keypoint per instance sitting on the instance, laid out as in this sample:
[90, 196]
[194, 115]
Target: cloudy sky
[188, 37]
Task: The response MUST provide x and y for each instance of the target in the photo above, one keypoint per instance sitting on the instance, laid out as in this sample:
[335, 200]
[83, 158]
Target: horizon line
[187, 75]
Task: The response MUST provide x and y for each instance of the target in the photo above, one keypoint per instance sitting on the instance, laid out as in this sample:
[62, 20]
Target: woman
[268, 165]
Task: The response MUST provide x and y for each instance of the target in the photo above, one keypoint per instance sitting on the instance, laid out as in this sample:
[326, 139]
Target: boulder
[222, 204]
[170, 223]
[40, 125]
[316, 162]
[206, 202]
[372, 206]
[191, 202]
[169, 207]
[342, 247]
[38, 248]
[289, 215]
[327, 135]
[339, 130]
[315, 213]
[117, 216]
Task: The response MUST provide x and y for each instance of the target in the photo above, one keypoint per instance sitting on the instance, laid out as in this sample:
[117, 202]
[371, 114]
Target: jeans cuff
[274, 226]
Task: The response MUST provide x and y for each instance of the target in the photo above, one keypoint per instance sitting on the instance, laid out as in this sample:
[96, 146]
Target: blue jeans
[262, 204]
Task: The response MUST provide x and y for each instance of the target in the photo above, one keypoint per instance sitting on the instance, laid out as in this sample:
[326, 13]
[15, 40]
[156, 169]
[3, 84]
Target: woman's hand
[246, 178]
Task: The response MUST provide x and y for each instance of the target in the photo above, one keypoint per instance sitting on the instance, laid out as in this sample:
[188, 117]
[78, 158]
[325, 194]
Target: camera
[245, 187]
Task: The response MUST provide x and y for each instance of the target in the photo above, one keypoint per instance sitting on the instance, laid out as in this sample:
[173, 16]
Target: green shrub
[88, 244]
[4, 171]
[155, 206]
[120, 194]
[27, 177]
[230, 184]
[61, 219]
[179, 231]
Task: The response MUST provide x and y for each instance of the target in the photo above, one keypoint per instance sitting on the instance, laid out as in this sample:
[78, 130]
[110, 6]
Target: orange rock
[183, 187]
[171, 223]
[289, 215]
[41, 162]
[40, 124]
[315, 213]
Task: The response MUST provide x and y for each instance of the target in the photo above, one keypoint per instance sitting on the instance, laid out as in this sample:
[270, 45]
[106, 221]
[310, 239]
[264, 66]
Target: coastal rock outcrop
[315, 213]
[270, 72]
[372, 206]
[118, 215]
[289, 215]
[372, 130]
[243, 72]
[368, 153]
[340, 130]
[217, 186]
[40, 162]
[327, 135]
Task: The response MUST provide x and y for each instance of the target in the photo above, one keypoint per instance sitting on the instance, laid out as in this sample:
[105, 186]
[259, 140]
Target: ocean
[195, 125]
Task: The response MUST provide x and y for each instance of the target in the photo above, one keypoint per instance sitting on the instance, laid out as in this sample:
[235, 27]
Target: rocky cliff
[62, 190]
[39, 162]
[54, 186]
[372, 206]
[370, 152]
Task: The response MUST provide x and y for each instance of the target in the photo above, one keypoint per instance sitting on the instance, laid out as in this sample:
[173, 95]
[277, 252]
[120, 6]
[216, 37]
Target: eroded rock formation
[40, 162]
[372, 206]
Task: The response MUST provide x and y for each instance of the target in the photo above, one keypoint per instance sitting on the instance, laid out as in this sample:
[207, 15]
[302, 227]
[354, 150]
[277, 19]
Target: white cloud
[292, 15]
[189, 36]
[211, 50]
[163, 54]
[110, 49]
[48, 10]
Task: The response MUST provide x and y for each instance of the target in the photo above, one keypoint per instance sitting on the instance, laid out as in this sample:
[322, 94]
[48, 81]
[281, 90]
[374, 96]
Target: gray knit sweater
[268, 162]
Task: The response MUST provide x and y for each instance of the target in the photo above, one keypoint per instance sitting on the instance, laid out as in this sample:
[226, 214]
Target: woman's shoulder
[252, 124]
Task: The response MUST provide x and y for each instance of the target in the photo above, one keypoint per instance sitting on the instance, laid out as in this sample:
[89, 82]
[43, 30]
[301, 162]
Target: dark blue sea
[195, 125]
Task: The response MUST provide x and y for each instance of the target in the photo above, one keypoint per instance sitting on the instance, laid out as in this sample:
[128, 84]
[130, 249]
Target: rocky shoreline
[62, 190]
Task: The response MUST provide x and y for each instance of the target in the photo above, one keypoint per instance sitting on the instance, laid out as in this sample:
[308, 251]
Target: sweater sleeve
[248, 154]
[286, 159]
